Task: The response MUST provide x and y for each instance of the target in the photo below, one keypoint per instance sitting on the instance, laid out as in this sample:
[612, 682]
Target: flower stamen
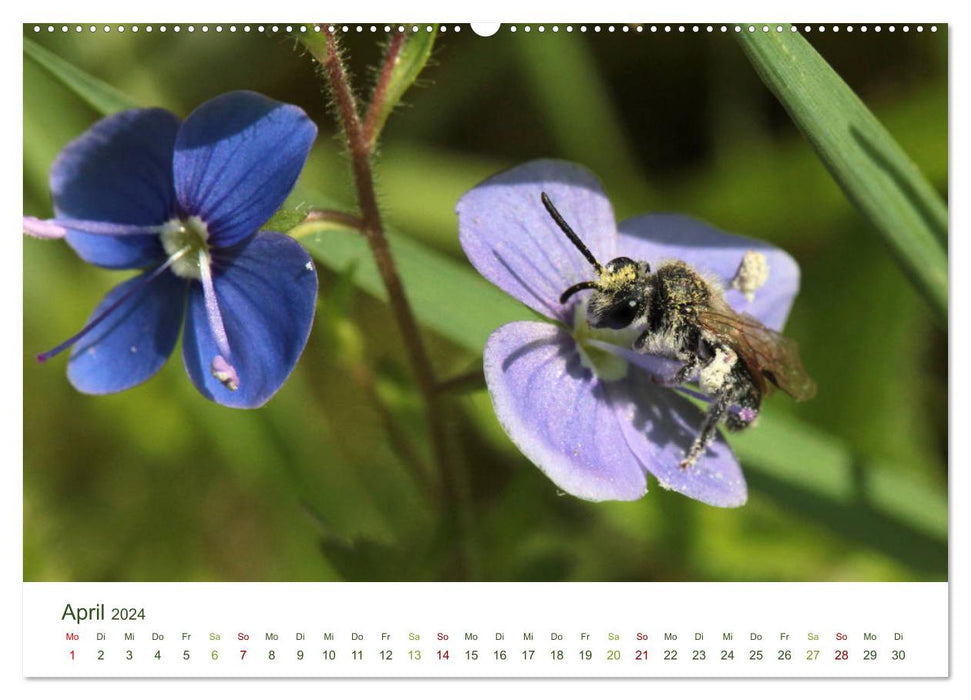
[193, 233]
[607, 366]
[45, 356]
[221, 367]
[58, 228]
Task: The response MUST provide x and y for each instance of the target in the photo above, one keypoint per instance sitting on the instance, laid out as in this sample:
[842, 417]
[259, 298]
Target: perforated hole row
[233, 28]
[720, 28]
[513, 28]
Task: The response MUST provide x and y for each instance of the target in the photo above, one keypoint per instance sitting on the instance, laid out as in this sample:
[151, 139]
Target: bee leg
[641, 341]
[746, 415]
[748, 402]
[690, 353]
[718, 359]
[687, 369]
[690, 361]
[709, 428]
[679, 377]
[741, 420]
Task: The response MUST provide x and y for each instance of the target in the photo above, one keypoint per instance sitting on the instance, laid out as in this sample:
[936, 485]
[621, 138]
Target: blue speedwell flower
[584, 407]
[184, 202]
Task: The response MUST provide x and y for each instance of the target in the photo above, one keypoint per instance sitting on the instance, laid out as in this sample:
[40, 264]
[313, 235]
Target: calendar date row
[501, 655]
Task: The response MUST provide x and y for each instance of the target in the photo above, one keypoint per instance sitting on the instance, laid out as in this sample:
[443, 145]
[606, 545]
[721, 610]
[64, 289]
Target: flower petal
[116, 252]
[656, 237]
[134, 341]
[513, 242]
[236, 159]
[119, 171]
[661, 368]
[266, 294]
[559, 414]
[658, 422]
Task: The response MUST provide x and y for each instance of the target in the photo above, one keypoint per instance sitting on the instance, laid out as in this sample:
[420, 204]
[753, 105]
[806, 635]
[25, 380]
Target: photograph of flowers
[408, 303]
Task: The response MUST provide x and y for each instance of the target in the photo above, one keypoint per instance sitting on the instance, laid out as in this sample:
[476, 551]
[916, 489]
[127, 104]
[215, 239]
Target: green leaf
[402, 73]
[860, 154]
[285, 219]
[102, 97]
[447, 296]
[815, 467]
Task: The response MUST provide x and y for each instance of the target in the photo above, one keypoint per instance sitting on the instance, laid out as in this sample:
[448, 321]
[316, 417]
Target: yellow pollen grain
[618, 278]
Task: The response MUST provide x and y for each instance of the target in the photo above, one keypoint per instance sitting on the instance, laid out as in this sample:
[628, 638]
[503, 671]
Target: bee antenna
[565, 227]
[576, 288]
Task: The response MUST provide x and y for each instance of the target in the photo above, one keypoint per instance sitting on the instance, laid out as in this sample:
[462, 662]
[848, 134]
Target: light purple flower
[579, 402]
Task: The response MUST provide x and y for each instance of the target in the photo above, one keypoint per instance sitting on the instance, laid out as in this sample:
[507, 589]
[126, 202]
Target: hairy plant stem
[451, 493]
[381, 89]
[342, 218]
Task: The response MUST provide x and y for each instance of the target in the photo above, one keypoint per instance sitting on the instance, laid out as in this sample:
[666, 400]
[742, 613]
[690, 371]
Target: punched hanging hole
[485, 28]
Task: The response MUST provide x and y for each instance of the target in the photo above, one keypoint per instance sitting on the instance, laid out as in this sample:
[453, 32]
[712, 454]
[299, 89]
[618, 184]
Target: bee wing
[769, 356]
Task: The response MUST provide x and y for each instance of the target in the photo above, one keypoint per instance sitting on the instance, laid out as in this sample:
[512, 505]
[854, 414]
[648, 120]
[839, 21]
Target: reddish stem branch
[381, 88]
[373, 231]
[372, 226]
[335, 216]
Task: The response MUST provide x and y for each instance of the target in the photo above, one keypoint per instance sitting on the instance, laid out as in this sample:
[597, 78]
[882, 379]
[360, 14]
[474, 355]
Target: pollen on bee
[749, 415]
[618, 278]
[713, 376]
[753, 272]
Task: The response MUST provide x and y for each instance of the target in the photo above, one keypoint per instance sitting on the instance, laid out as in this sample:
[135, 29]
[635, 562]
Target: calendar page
[442, 350]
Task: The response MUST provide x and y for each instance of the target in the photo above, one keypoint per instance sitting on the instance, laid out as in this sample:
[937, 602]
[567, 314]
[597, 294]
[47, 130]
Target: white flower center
[607, 366]
[187, 238]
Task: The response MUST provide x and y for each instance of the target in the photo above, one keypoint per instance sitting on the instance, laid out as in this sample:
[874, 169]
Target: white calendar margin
[534, 619]
[440, 10]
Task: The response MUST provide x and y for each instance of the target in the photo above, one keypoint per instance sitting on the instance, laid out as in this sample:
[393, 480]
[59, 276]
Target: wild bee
[683, 316]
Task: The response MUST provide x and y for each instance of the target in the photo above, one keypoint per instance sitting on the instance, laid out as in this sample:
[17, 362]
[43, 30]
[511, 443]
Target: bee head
[620, 294]
[621, 289]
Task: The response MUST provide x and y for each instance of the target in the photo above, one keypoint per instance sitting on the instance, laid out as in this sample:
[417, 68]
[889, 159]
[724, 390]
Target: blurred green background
[159, 484]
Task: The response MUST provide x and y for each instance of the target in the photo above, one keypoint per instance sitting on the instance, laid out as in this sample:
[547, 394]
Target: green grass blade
[99, 95]
[860, 154]
[810, 466]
